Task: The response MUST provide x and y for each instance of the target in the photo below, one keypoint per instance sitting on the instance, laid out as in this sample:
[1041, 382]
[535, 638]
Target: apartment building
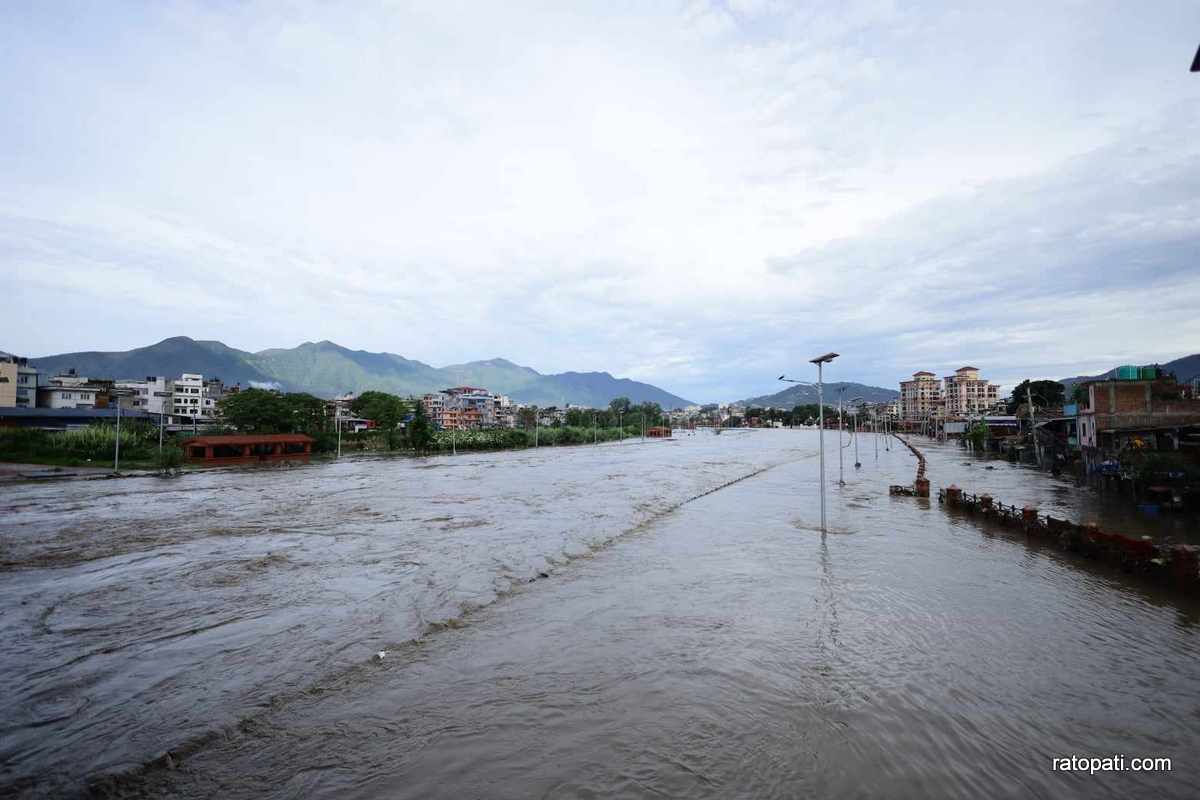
[8, 384]
[920, 397]
[72, 396]
[466, 407]
[966, 394]
[154, 394]
[16, 375]
[445, 411]
[70, 390]
[192, 396]
[505, 410]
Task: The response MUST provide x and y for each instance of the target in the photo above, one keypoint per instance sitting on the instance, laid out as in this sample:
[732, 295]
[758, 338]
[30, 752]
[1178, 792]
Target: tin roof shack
[1150, 414]
[248, 448]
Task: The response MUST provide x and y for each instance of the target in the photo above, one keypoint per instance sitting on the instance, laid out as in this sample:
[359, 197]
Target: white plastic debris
[380, 655]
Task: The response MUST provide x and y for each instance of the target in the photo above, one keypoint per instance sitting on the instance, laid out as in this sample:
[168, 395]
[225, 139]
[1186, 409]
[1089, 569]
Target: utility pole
[820, 361]
[857, 464]
[1037, 450]
[117, 450]
[337, 422]
[841, 447]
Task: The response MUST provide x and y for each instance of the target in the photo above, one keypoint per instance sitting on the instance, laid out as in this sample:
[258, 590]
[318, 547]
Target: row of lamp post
[820, 361]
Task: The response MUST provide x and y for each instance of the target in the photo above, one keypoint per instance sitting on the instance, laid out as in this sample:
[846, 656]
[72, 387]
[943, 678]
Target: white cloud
[694, 195]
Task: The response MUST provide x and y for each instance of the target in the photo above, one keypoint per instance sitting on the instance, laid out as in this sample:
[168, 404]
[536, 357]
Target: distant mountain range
[796, 395]
[1184, 368]
[326, 369]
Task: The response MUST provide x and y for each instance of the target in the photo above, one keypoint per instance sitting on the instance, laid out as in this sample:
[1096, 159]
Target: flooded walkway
[712, 647]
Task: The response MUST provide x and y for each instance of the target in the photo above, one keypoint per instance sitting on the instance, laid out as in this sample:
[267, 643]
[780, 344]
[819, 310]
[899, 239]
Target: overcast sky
[700, 195]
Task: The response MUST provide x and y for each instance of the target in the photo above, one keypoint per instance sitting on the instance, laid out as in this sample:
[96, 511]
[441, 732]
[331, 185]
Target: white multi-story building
[69, 390]
[74, 396]
[967, 394]
[155, 394]
[191, 397]
[920, 397]
[505, 410]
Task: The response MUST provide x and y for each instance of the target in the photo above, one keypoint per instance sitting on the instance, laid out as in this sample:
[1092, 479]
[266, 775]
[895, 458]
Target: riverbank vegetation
[94, 445]
[508, 438]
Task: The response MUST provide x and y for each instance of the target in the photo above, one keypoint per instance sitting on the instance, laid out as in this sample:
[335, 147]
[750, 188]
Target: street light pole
[841, 447]
[820, 361]
[117, 451]
[875, 429]
[857, 403]
[857, 463]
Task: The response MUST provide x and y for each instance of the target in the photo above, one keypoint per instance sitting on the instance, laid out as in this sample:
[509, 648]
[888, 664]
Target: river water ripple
[585, 627]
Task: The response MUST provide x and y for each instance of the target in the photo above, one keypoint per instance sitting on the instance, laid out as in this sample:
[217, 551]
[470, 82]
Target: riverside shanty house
[249, 448]
[1139, 409]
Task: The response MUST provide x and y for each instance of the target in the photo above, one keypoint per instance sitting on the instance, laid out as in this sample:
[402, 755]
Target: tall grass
[95, 442]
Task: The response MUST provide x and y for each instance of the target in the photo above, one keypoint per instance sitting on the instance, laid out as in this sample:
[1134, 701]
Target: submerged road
[680, 644]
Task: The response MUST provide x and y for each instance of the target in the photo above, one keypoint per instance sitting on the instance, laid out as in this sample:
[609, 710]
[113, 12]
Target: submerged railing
[1176, 563]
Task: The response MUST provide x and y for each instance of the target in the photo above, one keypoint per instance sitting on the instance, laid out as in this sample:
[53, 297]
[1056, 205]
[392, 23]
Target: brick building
[1148, 413]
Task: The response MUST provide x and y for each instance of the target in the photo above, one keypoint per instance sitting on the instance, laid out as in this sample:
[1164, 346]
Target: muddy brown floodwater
[579, 622]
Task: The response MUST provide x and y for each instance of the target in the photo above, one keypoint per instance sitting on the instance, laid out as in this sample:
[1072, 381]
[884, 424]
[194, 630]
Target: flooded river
[578, 622]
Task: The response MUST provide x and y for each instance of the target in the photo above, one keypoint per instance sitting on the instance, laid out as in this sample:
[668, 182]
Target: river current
[624, 620]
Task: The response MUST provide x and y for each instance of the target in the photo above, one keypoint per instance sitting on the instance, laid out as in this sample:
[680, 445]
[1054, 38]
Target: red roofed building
[248, 448]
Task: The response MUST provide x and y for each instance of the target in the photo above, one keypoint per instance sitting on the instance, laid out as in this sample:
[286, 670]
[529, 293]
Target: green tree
[651, 411]
[307, 413]
[978, 434]
[257, 410]
[620, 405]
[420, 429]
[527, 416]
[387, 411]
[1045, 394]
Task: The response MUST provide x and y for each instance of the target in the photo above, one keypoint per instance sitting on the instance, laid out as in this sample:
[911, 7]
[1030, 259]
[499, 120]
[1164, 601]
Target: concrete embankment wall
[920, 487]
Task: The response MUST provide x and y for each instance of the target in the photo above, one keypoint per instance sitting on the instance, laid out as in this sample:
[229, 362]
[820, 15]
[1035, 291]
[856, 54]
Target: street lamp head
[782, 378]
[825, 359]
